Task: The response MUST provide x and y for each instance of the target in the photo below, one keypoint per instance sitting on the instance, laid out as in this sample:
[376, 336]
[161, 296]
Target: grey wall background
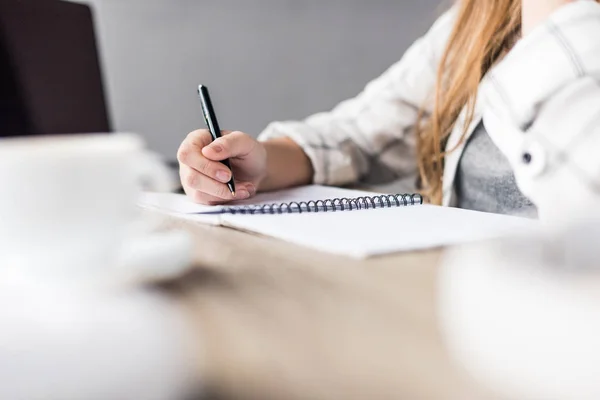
[264, 60]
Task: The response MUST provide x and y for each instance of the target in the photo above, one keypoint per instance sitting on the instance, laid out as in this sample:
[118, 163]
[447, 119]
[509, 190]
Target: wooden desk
[277, 321]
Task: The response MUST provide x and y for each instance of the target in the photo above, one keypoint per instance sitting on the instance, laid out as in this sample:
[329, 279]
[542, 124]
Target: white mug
[521, 314]
[68, 202]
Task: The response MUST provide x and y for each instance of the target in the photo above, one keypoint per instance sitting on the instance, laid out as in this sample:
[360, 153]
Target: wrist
[262, 182]
[287, 165]
[270, 181]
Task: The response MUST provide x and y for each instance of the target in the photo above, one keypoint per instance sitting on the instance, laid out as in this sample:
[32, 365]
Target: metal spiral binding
[331, 205]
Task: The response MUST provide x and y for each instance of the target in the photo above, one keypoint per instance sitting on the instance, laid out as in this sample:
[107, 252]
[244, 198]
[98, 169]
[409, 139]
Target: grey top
[485, 180]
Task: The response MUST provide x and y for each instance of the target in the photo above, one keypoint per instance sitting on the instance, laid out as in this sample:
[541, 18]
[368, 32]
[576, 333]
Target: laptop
[50, 71]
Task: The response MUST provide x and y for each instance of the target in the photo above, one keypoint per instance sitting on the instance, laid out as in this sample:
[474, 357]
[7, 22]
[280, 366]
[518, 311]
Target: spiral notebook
[339, 204]
[348, 222]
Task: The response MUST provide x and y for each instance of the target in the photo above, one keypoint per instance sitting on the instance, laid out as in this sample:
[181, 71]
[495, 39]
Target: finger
[250, 188]
[243, 192]
[202, 198]
[190, 156]
[201, 138]
[235, 144]
[194, 180]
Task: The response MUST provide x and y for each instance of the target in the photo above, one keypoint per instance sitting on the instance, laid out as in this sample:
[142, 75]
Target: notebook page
[367, 233]
[304, 193]
[181, 204]
[177, 205]
[171, 202]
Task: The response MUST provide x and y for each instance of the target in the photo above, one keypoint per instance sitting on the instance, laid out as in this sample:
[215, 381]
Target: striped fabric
[540, 106]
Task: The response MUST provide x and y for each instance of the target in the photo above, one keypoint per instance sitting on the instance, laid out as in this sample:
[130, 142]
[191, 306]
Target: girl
[497, 108]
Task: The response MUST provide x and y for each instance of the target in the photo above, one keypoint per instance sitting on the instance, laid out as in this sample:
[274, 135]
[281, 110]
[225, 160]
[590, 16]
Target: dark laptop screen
[50, 76]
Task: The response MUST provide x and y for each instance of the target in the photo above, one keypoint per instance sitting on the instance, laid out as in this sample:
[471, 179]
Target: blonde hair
[483, 32]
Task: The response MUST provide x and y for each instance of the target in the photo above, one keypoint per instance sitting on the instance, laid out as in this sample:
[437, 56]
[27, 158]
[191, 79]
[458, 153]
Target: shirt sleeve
[371, 137]
[543, 111]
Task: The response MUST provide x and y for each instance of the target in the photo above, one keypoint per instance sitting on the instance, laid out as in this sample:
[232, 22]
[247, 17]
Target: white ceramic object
[58, 344]
[523, 315]
[69, 226]
[68, 202]
[155, 256]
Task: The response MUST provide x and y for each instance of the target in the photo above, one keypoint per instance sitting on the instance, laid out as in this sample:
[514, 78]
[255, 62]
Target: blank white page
[354, 233]
[171, 203]
[367, 233]
[181, 204]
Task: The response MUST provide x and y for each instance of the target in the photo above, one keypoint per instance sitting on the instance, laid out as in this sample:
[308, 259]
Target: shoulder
[439, 33]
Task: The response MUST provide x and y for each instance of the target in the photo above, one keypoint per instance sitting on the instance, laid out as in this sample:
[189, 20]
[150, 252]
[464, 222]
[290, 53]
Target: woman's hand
[536, 12]
[204, 177]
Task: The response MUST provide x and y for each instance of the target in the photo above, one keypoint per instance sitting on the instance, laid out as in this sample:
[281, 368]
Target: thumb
[234, 144]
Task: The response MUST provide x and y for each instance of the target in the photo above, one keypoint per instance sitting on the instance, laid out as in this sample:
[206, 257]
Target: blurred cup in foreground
[68, 201]
[522, 315]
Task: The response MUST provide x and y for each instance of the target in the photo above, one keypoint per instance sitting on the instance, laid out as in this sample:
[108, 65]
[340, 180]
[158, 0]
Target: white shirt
[540, 105]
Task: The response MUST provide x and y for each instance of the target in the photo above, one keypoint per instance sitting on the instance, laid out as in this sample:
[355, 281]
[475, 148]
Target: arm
[369, 137]
[281, 154]
[543, 111]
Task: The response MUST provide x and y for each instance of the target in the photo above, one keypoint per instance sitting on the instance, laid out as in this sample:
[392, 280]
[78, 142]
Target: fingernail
[223, 176]
[217, 148]
[251, 189]
[243, 194]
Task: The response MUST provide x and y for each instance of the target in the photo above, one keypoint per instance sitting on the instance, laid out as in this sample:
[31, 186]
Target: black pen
[213, 126]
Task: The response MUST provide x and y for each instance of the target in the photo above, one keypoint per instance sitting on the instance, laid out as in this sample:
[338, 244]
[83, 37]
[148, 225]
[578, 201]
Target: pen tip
[233, 193]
